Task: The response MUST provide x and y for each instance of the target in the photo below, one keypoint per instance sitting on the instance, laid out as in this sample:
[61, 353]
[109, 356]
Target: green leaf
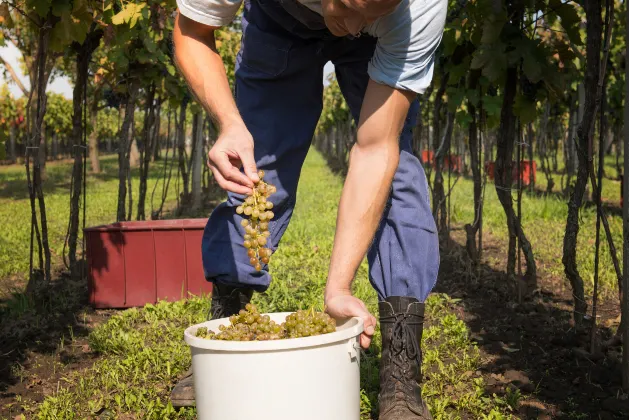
[569, 18]
[60, 35]
[129, 14]
[80, 5]
[171, 69]
[492, 104]
[121, 17]
[455, 98]
[525, 109]
[472, 96]
[492, 29]
[60, 7]
[479, 60]
[495, 67]
[532, 68]
[41, 6]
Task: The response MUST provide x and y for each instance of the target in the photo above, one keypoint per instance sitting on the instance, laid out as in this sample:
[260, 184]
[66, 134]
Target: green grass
[102, 198]
[142, 350]
[544, 221]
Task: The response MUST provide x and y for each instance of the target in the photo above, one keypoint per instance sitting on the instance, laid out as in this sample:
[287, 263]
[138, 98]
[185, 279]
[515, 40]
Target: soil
[533, 345]
[45, 344]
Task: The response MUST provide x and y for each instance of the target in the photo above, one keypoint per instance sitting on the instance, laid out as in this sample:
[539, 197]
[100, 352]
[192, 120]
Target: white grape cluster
[258, 208]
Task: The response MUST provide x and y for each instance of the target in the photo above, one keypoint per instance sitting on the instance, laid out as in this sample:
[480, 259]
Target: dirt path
[533, 346]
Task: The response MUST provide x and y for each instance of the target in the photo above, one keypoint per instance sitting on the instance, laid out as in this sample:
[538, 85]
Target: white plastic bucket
[309, 378]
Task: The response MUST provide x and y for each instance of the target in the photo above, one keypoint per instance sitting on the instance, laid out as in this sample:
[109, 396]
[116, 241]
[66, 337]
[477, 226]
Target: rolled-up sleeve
[407, 41]
[209, 12]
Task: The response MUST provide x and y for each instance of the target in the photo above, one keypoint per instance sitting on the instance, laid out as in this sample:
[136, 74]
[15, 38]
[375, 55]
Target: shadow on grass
[532, 346]
[39, 323]
[53, 316]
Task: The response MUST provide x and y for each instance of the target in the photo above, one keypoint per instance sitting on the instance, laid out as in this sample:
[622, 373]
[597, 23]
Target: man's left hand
[344, 305]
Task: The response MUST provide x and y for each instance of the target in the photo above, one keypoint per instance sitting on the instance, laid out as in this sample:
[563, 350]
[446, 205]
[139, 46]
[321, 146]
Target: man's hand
[344, 305]
[234, 150]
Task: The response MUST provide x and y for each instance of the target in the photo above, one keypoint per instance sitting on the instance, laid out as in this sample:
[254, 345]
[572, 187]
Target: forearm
[201, 65]
[373, 162]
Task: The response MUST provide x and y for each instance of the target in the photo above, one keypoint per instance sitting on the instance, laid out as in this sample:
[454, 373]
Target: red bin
[428, 156]
[135, 263]
[528, 175]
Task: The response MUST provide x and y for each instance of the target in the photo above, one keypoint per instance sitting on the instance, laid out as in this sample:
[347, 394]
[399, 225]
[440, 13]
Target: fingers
[226, 184]
[369, 328]
[349, 306]
[249, 165]
[228, 171]
[365, 341]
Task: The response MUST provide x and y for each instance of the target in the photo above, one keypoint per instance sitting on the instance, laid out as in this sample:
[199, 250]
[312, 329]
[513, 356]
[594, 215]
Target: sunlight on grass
[102, 199]
[544, 221]
[143, 352]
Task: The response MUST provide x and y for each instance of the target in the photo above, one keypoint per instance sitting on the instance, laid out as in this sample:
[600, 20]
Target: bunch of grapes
[247, 325]
[258, 208]
[307, 323]
[250, 325]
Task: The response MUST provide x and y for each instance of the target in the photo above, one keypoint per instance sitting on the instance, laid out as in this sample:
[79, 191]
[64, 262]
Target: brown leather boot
[401, 325]
[226, 301]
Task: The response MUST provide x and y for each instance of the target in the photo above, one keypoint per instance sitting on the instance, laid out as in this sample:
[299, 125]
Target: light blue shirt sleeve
[407, 41]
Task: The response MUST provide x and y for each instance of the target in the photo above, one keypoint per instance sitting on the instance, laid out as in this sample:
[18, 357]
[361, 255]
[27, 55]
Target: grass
[544, 222]
[102, 198]
[142, 351]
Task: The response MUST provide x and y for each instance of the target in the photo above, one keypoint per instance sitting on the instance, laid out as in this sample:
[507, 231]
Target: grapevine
[258, 208]
[250, 325]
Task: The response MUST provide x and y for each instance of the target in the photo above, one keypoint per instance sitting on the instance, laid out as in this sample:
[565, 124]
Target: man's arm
[373, 162]
[203, 69]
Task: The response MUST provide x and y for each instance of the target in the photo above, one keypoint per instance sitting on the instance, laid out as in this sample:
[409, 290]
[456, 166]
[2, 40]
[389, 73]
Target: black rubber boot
[226, 301]
[401, 325]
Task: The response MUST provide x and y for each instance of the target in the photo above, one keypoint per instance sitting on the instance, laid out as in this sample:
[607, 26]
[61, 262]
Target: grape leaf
[495, 67]
[569, 18]
[472, 96]
[79, 5]
[492, 104]
[129, 14]
[41, 6]
[479, 60]
[60, 7]
[531, 67]
[492, 29]
[525, 109]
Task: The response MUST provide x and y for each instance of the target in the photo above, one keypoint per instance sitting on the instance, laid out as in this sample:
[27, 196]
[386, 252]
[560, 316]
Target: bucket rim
[349, 329]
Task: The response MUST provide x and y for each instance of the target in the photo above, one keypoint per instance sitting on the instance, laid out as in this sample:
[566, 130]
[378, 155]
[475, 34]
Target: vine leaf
[129, 14]
[525, 109]
[531, 67]
[569, 18]
[41, 7]
[60, 7]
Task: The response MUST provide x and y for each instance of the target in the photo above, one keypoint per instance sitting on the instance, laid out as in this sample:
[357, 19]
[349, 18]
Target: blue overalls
[279, 90]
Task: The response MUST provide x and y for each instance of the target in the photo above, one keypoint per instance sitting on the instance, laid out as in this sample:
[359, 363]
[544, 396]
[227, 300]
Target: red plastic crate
[428, 156]
[454, 163]
[529, 171]
[135, 263]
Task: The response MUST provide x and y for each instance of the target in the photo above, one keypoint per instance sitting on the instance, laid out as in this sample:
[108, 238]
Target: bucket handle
[353, 349]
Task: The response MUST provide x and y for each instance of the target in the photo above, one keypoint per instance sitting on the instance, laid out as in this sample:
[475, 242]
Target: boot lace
[403, 341]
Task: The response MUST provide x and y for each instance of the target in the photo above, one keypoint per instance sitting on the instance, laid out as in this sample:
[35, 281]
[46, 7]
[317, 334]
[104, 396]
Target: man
[383, 53]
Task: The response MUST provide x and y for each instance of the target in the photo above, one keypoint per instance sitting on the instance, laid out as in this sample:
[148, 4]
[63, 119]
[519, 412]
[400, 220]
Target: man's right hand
[234, 150]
